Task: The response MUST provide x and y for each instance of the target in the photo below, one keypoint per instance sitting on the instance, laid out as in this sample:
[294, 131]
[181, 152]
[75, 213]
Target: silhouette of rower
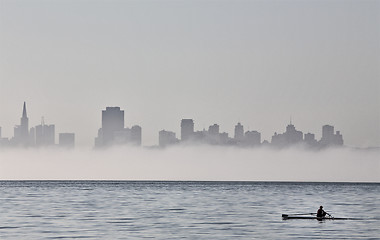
[321, 212]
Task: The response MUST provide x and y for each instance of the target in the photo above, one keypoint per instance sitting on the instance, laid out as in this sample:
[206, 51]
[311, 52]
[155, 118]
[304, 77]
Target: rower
[321, 212]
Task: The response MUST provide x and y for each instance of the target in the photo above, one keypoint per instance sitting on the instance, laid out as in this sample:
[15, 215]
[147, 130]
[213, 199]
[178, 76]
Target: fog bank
[192, 163]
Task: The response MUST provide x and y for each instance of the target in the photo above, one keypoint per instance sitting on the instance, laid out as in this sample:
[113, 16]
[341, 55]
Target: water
[188, 210]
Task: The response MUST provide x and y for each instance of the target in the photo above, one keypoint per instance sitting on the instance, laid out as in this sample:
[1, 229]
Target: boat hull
[285, 217]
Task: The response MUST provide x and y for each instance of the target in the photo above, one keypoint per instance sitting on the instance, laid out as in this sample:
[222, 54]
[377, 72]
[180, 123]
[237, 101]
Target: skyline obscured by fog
[254, 62]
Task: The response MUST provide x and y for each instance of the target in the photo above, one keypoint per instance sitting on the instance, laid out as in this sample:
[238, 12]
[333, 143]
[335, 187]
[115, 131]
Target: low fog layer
[192, 163]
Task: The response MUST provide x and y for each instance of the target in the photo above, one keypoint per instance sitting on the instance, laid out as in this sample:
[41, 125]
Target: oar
[303, 214]
[329, 214]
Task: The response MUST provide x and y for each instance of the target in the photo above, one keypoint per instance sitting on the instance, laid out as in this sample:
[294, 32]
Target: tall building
[136, 135]
[310, 140]
[113, 131]
[329, 138]
[239, 132]
[292, 135]
[32, 136]
[166, 138]
[67, 140]
[252, 138]
[338, 138]
[112, 121]
[213, 129]
[327, 135]
[223, 138]
[24, 127]
[45, 134]
[289, 137]
[213, 135]
[21, 132]
[187, 129]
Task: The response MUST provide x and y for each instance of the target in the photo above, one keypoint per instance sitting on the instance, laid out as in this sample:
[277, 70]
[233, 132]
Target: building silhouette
[289, 137]
[136, 135]
[310, 140]
[166, 138]
[252, 138]
[239, 132]
[213, 136]
[213, 130]
[67, 140]
[112, 121]
[187, 129]
[329, 138]
[113, 132]
[224, 139]
[45, 134]
[21, 132]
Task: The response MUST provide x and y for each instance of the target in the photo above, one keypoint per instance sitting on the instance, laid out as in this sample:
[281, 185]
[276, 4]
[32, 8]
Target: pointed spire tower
[24, 111]
[24, 126]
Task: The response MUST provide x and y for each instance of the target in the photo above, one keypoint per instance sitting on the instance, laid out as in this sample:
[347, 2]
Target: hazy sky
[257, 62]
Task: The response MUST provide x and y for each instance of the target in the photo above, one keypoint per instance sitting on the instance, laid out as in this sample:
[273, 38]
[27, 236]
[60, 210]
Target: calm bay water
[190, 210]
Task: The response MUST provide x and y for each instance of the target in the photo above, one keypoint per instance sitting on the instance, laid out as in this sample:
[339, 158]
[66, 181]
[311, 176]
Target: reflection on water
[192, 210]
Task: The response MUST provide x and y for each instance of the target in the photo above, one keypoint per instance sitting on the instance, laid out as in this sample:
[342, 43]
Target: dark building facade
[239, 133]
[252, 138]
[113, 132]
[136, 133]
[289, 137]
[112, 121]
[166, 138]
[329, 138]
[187, 129]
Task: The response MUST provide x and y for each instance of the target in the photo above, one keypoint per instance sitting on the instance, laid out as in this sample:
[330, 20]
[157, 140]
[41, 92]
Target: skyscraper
[213, 129]
[166, 138]
[113, 131]
[289, 137]
[187, 129]
[239, 132]
[252, 138]
[112, 121]
[327, 134]
[309, 139]
[136, 135]
[45, 134]
[329, 138]
[24, 123]
[21, 132]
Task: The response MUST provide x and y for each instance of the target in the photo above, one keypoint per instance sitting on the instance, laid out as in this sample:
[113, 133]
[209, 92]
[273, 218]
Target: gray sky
[257, 62]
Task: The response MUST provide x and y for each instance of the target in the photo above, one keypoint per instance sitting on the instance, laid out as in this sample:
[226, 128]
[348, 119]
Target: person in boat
[321, 212]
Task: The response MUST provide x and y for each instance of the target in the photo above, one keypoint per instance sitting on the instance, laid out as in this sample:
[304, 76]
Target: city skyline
[113, 132]
[254, 62]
